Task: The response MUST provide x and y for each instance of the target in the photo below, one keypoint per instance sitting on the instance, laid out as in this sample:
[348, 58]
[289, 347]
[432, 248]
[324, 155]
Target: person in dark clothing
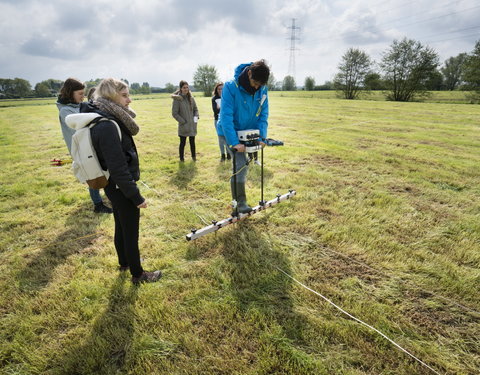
[216, 104]
[119, 156]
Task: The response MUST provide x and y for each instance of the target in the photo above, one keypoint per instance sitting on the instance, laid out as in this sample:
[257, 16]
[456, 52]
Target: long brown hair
[215, 89]
[189, 94]
[69, 86]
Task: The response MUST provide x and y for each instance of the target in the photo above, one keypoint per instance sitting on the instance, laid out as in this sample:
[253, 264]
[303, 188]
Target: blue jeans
[222, 142]
[95, 195]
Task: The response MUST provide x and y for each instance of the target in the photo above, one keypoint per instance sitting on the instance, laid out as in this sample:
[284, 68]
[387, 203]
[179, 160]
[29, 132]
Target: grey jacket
[65, 110]
[183, 112]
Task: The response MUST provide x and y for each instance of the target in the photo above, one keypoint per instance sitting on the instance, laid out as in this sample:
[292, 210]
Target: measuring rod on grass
[251, 140]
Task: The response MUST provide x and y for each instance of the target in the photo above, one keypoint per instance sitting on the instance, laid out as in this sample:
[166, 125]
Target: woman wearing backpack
[71, 96]
[118, 155]
[185, 111]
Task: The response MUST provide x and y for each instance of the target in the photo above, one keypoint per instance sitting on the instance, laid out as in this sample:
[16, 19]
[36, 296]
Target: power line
[446, 40]
[371, 28]
[450, 32]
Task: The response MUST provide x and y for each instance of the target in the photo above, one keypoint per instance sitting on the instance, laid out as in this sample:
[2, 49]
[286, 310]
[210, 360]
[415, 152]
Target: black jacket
[216, 111]
[120, 157]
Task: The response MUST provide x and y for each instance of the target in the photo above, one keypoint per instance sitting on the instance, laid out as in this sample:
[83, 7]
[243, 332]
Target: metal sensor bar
[216, 225]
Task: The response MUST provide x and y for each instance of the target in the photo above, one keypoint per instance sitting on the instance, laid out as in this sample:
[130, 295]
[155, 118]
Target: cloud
[159, 41]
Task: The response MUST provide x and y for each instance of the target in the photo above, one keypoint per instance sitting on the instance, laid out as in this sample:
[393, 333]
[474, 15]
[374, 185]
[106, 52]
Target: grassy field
[386, 224]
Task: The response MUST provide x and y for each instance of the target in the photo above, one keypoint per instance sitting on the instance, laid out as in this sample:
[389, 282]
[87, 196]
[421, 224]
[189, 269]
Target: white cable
[148, 187]
[358, 320]
[449, 300]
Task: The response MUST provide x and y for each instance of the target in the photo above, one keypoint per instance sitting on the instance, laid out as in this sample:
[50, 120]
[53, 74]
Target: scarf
[123, 114]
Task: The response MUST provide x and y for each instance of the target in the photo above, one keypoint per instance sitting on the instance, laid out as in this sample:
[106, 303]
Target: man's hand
[239, 147]
[262, 144]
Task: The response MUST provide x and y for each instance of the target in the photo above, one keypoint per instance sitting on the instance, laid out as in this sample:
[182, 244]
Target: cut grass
[385, 223]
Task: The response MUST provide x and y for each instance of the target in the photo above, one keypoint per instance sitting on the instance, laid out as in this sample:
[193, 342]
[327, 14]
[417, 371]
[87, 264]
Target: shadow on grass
[79, 233]
[256, 283]
[186, 172]
[107, 349]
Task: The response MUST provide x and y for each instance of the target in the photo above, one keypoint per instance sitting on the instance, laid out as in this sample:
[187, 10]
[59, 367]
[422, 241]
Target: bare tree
[354, 67]
[407, 67]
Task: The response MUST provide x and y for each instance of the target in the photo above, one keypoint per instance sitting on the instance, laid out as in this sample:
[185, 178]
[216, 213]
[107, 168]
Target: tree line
[21, 88]
[407, 70]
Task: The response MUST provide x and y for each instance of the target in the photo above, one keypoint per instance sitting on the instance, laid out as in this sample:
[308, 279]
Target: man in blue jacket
[244, 106]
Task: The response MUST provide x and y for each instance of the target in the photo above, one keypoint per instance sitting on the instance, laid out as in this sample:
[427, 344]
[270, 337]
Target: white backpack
[85, 166]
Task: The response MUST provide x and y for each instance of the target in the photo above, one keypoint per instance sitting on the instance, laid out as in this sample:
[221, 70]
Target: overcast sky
[160, 41]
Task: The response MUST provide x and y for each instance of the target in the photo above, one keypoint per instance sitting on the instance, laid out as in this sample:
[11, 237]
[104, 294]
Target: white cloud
[164, 41]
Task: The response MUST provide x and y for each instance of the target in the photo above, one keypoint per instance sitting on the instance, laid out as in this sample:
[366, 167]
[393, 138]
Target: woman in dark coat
[216, 105]
[185, 111]
[119, 156]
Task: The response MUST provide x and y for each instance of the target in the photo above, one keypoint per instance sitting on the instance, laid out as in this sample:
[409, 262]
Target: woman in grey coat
[185, 111]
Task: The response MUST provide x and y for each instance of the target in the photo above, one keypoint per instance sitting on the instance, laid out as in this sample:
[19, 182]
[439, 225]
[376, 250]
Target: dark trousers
[181, 147]
[253, 155]
[127, 222]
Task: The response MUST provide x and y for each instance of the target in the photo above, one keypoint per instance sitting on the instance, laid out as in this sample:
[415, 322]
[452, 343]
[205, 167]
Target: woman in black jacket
[216, 104]
[119, 156]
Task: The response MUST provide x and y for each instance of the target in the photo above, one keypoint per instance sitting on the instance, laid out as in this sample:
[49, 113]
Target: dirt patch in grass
[335, 267]
[395, 130]
[405, 188]
[328, 160]
[442, 318]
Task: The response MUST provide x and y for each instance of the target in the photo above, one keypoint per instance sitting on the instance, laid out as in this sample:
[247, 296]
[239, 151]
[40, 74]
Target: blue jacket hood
[239, 70]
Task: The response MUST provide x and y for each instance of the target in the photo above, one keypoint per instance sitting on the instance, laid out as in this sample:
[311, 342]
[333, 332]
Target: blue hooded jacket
[241, 110]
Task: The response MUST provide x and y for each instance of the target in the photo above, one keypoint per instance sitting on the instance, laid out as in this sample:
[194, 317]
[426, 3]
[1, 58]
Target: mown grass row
[452, 97]
[385, 224]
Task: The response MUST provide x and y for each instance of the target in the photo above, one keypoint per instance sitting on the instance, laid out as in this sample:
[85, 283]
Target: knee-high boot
[241, 198]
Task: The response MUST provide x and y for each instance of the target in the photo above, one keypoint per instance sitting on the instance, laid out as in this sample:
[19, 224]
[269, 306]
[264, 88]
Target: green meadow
[385, 224]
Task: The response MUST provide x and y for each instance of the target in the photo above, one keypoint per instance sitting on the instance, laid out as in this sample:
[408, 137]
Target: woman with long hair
[71, 96]
[185, 111]
[216, 105]
[117, 153]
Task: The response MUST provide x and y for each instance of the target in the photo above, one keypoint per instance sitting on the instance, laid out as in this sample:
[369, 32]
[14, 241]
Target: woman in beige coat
[185, 111]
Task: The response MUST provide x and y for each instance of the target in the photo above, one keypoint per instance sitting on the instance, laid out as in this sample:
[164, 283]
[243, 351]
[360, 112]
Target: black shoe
[229, 157]
[147, 277]
[222, 159]
[100, 208]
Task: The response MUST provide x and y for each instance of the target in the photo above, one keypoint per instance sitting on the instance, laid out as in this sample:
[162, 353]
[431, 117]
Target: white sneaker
[258, 163]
